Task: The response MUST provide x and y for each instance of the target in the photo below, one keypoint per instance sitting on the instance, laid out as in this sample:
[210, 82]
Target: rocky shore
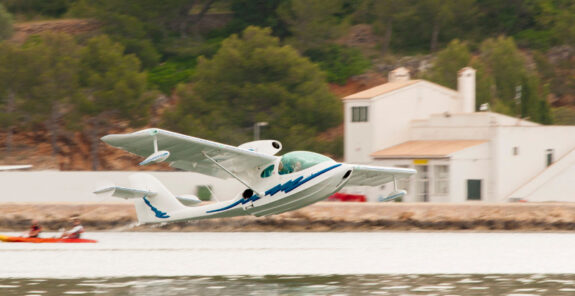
[325, 216]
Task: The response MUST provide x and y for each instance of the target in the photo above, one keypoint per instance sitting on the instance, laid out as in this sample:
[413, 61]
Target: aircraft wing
[365, 175]
[14, 167]
[188, 153]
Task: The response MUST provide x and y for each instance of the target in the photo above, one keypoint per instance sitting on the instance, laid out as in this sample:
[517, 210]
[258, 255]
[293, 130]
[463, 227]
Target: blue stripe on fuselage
[286, 187]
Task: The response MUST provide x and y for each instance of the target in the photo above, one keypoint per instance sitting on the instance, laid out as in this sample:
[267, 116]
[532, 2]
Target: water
[446, 284]
[381, 263]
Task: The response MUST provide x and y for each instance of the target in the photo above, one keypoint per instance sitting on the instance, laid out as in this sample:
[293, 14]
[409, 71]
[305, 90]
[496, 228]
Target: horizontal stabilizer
[188, 199]
[124, 192]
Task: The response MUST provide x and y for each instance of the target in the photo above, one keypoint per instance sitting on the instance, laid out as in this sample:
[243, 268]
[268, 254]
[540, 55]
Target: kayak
[20, 239]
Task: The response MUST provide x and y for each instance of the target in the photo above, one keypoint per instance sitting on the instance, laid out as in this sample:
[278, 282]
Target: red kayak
[19, 239]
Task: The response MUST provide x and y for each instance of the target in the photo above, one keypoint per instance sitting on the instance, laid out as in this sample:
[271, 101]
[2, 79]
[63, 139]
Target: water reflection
[442, 284]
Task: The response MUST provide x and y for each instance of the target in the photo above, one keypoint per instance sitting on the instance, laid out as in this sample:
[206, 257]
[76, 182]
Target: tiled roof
[426, 149]
[381, 89]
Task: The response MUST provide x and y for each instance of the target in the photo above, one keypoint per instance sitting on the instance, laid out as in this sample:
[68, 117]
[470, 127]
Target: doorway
[473, 189]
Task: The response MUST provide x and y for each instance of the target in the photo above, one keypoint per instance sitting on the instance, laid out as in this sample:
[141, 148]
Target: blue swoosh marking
[241, 201]
[159, 214]
[286, 187]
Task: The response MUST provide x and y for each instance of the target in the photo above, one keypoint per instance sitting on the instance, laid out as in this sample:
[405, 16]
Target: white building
[459, 154]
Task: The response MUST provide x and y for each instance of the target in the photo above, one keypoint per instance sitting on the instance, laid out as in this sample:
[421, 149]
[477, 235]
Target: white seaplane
[274, 184]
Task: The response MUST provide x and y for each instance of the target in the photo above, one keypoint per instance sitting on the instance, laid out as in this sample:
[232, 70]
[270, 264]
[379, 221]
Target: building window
[422, 183]
[549, 154]
[358, 114]
[441, 176]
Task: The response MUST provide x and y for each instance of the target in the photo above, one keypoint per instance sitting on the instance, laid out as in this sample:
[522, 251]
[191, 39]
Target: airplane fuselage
[279, 193]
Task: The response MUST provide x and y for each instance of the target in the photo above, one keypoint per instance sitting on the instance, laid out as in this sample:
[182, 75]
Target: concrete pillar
[466, 89]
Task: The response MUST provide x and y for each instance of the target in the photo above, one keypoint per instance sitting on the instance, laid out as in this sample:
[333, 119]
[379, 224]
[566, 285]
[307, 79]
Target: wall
[357, 135]
[57, 186]
[515, 171]
[554, 184]
[390, 116]
[470, 163]
[394, 111]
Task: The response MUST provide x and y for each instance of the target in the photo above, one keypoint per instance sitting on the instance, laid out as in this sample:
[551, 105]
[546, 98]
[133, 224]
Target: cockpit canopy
[300, 160]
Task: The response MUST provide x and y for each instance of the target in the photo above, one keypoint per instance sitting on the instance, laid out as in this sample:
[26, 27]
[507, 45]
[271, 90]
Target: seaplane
[273, 184]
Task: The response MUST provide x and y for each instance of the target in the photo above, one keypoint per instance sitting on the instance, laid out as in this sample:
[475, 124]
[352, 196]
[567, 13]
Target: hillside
[74, 70]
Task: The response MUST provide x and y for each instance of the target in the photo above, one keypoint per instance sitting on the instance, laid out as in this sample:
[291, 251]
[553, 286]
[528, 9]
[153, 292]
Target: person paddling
[76, 231]
[35, 229]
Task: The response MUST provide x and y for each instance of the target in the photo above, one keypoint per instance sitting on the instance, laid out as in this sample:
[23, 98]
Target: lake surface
[384, 263]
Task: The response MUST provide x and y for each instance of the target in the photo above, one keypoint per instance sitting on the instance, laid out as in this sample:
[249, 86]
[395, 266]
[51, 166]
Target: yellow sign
[420, 161]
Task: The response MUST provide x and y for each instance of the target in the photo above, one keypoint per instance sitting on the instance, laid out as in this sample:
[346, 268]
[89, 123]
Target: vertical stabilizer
[157, 208]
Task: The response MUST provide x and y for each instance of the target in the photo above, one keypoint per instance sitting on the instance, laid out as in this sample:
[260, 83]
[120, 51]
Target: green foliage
[339, 63]
[53, 8]
[311, 22]
[251, 79]
[112, 81]
[5, 23]
[169, 74]
[260, 13]
[58, 61]
[17, 76]
[535, 39]
[516, 87]
[448, 61]
[563, 115]
[484, 85]
[506, 65]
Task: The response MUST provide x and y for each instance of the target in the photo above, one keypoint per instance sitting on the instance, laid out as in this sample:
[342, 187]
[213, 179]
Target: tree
[439, 13]
[260, 13]
[448, 61]
[252, 79]
[58, 57]
[113, 89]
[5, 23]
[518, 90]
[506, 64]
[16, 80]
[386, 12]
[312, 22]
[339, 62]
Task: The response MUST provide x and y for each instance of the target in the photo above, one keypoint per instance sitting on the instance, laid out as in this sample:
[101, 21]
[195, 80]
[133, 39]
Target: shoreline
[323, 216]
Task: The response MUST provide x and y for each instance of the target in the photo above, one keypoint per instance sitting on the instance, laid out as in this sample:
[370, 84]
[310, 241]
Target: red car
[347, 197]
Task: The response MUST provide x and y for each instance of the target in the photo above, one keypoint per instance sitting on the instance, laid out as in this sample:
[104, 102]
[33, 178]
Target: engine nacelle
[156, 157]
[270, 147]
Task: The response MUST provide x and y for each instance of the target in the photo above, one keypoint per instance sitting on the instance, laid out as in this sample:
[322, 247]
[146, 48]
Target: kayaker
[35, 229]
[76, 231]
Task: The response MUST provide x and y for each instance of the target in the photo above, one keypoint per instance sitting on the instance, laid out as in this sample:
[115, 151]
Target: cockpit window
[299, 160]
[268, 171]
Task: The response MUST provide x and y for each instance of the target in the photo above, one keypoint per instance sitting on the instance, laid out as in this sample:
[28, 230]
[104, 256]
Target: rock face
[70, 26]
[325, 216]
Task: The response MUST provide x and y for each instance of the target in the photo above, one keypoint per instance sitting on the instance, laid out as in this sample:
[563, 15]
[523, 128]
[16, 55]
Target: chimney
[399, 74]
[466, 89]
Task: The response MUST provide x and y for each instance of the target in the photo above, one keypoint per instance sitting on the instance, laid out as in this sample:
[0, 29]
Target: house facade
[460, 155]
